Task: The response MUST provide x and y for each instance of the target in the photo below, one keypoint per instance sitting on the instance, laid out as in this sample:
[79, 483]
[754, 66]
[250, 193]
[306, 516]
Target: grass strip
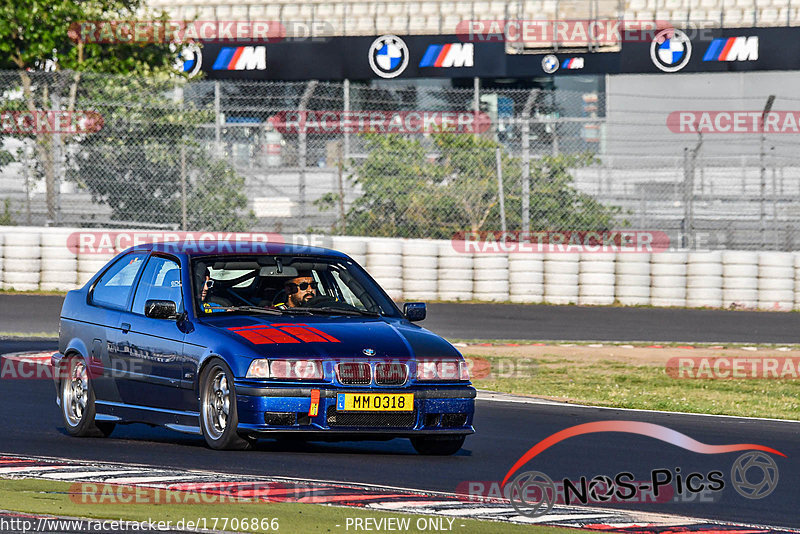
[647, 386]
[59, 499]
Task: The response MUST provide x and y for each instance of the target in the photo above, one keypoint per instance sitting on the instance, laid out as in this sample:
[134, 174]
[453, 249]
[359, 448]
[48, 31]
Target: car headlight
[444, 369]
[286, 369]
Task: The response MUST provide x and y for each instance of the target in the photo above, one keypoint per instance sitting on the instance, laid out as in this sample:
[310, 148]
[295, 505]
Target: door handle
[125, 328]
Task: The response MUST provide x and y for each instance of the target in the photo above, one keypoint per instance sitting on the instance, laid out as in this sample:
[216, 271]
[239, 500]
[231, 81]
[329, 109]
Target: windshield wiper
[340, 311]
[256, 309]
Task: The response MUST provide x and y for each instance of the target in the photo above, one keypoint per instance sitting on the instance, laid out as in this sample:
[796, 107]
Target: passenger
[210, 302]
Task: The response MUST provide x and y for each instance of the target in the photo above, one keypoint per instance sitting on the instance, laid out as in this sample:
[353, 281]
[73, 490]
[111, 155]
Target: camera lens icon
[532, 494]
[745, 479]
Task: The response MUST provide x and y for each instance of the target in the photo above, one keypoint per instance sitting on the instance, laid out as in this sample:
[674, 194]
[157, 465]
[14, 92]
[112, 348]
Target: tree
[38, 35]
[409, 189]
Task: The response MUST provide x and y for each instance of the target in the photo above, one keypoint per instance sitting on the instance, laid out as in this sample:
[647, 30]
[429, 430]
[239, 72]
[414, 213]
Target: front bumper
[437, 411]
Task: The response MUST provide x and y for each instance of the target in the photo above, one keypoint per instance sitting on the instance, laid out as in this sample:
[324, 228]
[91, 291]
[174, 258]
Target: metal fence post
[217, 117]
[302, 148]
[346, 106]
[500, 192]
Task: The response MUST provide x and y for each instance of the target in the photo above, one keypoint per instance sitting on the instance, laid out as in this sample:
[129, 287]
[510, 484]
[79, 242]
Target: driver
[299, 290]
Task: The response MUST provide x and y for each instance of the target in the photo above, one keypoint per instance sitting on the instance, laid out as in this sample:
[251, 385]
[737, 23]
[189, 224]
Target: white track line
[503, 397]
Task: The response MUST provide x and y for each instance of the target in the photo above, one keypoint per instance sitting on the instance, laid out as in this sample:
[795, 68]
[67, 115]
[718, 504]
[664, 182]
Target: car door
[153, 357]
[110, 295]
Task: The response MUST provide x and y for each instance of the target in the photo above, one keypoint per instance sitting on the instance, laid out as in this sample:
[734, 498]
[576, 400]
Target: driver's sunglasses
[209, 284]
[301, 286]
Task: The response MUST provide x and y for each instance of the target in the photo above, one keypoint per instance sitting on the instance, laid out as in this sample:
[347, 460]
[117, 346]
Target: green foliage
[36, 33]
[5, 216]
[407, 192]
[147, 147]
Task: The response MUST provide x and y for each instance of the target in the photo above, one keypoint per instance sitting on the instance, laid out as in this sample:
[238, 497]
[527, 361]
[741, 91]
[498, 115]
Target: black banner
[452, 56]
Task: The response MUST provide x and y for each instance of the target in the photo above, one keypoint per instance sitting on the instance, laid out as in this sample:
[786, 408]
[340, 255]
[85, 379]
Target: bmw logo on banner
[549, 64]
[189, 60]
[670, 50]
[388, 56]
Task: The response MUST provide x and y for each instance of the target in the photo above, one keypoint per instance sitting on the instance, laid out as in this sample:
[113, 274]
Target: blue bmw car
[239, 342]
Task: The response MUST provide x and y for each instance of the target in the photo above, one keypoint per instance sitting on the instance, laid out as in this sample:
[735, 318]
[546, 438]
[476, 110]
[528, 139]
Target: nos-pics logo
[388, 56]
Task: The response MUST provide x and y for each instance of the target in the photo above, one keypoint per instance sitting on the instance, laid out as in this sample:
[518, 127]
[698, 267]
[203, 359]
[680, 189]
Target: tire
[465, 261]
[420, 247]
[22, 253]
[455, 274]
[491, 262]
[776, 259]
[561, 267]
[388, 260]
[433, 446]
[418, 273]
[385, 271]
[385, 247]
[17, 277]
[420, 286]
[23, 239]
[59, 254]
[490, 275]
[218, 426]
[524, 264]
[632, 291]
[528, 277]
[76, 396]
[459, 286]
[599, 267]
[526, 289]
[704, 269]
[739, 257]
[420, 262]
[676, 257]
[776, 284]
[596, 300]
[768, 271]
[704, 282]
[490, 286]
[562, 280]
[628, 258]
[710, 256]
[634, 280]
[634, 269]
[668, 281]
[597, 279]
[736, 282]
[23, 266]
[668, 269]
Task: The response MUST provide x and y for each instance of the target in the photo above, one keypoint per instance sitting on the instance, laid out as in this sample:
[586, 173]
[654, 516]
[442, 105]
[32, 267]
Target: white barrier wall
[415, 269]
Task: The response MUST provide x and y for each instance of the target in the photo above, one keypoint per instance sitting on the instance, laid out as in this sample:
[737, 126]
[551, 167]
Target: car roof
[232, 247]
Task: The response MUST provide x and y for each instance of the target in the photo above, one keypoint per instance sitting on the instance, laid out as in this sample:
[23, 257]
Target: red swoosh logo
[634, 427]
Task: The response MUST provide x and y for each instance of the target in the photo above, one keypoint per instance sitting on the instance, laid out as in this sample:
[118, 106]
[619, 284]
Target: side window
[161, 280]
[115, 286]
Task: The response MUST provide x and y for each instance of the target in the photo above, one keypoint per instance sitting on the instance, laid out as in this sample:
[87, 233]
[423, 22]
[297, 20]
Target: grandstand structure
[421, 17]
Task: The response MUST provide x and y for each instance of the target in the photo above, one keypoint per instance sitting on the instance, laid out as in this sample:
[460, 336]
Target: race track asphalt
[39, 313]
[505, 431]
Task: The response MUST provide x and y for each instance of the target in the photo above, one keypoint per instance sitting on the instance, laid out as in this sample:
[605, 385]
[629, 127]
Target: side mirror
[161, 309]
[415, 311]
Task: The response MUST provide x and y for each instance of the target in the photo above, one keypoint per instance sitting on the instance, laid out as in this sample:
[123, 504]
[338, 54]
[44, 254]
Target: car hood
[332, 337]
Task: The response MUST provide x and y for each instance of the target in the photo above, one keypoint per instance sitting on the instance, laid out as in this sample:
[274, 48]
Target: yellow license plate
[375, 402]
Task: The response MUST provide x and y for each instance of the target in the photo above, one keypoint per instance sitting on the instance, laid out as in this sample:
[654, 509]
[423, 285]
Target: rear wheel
[438, 446]
[218, 415]
[77, 401]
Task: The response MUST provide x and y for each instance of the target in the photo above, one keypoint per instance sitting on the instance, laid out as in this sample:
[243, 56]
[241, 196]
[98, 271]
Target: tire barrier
[418, 269]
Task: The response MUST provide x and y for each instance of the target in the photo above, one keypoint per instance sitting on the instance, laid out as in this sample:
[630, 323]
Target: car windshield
[286, 285]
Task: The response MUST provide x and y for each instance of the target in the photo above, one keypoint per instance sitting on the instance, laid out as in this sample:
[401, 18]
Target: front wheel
[436, 446]
[218, 415]
[77, 400]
